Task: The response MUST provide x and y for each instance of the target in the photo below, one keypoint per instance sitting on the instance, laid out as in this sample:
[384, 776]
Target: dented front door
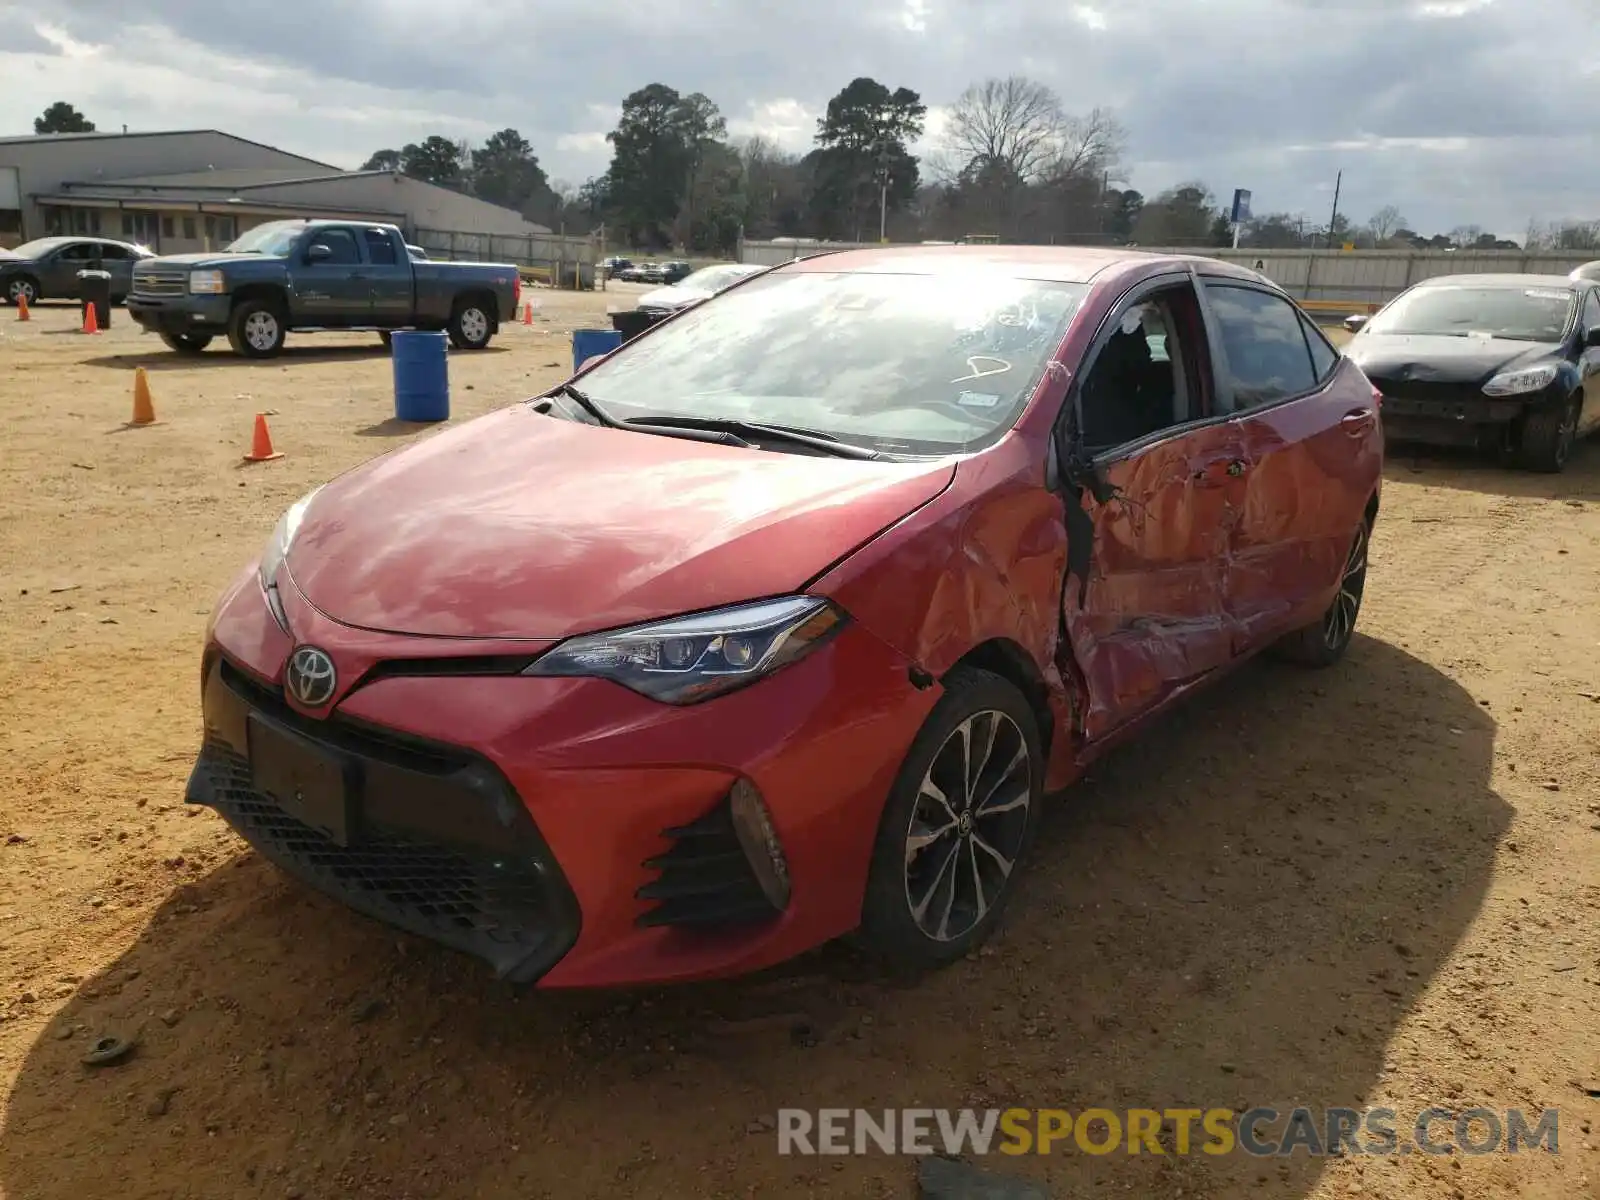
[1152, 615]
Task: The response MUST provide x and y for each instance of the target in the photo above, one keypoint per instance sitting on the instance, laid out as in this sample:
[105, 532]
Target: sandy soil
[1375, 885]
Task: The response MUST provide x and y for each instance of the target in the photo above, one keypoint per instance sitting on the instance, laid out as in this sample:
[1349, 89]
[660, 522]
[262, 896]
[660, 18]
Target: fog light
[752, 824]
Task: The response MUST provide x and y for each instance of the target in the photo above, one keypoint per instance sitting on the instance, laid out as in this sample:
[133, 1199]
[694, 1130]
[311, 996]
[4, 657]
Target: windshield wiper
[825, 442]
[720, 437]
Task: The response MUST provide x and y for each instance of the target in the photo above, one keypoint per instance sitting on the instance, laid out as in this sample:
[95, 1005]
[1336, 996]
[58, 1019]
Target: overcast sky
[1459, 112]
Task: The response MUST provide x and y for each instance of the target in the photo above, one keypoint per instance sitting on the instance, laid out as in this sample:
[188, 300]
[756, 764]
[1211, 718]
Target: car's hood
[1404, 357]
[519, 525]
[202, 259]
[673, 297]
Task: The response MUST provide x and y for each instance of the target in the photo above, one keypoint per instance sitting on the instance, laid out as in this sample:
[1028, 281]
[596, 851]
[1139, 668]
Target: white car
[693, 288]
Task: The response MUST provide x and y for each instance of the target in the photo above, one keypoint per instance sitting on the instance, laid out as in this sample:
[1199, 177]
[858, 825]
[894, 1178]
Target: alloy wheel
[968, 825]
[474, 325]
[1340, 622]
[261, 331]
[21, 289]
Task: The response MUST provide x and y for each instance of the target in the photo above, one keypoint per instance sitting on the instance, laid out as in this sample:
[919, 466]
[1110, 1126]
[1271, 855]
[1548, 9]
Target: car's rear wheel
[961, 816]
[256, 329]
[1547, 437]
[1324, 643]
[21, 288]
[471, 325]
[186, 343]
[387, 338]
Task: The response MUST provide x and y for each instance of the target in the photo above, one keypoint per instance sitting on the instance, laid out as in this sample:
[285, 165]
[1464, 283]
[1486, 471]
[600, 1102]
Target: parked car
[782, 621]
[314, 275]
[695, 287]
[47, 268]
[614, 265]
[1588, 273]
[672, 272]
[1510, 362]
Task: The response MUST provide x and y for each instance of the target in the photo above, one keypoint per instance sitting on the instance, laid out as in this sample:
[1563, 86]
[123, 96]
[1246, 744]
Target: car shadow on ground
[1237, 910]
[1471, 470]
[215, 356]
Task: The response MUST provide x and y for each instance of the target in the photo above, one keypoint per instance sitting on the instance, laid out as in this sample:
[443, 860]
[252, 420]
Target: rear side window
[1268, 359]
[1324, 358]
[380, 248]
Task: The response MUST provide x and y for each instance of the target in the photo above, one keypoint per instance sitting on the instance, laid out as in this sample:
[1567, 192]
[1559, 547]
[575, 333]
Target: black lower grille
[705, 878]
[443, 849]
[1428, 391]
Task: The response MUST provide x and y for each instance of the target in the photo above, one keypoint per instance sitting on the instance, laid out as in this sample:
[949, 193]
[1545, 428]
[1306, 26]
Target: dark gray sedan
[47, 268]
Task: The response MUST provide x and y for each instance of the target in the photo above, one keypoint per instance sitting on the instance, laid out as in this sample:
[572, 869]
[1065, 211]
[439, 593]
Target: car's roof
[1507, 280]
[1055, 264]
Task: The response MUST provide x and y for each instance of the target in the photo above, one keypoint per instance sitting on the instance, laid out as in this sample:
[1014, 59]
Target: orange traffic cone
[144, 412]
[22, 308]
[261, 445]
[91, 319]
[527, 313]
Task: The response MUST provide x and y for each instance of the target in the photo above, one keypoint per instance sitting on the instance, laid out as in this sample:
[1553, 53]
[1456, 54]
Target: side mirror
[1591, 339]
[1355, 322]
[318, 252]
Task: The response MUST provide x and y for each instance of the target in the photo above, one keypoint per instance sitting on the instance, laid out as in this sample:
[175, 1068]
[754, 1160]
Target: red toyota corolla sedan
[779, 622]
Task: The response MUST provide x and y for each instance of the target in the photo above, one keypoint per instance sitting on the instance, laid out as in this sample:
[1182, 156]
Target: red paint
[517, 528]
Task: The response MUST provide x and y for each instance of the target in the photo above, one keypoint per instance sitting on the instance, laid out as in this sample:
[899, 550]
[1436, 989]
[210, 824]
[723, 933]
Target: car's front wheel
[960, 818]
[1547, 437]
[256, 329]
[21, 288]
[1323, 644]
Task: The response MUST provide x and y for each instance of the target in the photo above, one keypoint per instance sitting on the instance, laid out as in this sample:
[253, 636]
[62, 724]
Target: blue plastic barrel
[586, 343]
[421, 375]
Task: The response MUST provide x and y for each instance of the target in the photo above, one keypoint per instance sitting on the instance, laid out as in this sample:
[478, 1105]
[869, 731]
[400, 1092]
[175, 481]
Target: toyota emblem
[311, 678]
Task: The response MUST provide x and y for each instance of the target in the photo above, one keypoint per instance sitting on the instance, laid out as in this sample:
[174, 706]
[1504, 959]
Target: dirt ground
[1376, 885]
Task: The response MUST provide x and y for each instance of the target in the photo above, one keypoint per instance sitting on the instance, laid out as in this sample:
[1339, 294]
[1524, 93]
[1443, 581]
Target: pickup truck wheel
[387, 339]
[186, 343]
[470, 326]
[256, 330]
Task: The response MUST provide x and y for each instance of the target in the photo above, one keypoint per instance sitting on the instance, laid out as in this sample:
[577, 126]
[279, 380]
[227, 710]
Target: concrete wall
[43, 164]
[1352, 281]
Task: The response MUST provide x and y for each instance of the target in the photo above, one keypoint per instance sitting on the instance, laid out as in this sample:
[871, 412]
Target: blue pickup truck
[317, 275]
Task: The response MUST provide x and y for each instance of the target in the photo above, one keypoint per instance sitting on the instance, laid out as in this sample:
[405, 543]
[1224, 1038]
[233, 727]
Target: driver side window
[1148, 375]
[341, 244]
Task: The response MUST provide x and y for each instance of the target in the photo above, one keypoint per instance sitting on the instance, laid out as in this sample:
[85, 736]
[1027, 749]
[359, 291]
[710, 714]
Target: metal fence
[1332, 280]
[567, 262]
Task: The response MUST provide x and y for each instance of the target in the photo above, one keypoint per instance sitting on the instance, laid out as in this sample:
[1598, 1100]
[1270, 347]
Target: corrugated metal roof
[33, 139]
[230, 179]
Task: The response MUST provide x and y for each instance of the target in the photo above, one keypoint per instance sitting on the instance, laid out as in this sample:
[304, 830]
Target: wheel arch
[1007, 658]
[271, 293]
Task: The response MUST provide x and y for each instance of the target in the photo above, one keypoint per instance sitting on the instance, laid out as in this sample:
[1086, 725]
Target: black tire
[22, 285]
[1324, 643]
[1547, 437]
[386, 338]
[921, 910]
[257, 328]
[186, 343]
[472, 323]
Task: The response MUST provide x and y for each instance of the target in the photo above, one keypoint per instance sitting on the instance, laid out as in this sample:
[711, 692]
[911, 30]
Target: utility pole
[1334, 219]
[883, 190]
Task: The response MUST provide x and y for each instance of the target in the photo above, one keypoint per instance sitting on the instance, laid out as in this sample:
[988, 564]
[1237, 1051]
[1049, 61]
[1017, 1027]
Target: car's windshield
[1517, 311]
[36, 247]
[714, 279]
[904, 364]
[273, 240]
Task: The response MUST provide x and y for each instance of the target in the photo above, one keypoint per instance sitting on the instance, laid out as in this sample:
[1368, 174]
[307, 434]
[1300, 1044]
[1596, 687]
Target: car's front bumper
[180, 314]
[520, 818]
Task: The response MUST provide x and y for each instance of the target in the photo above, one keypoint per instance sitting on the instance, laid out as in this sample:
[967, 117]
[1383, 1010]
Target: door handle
[1357, 420]
[1218, 472]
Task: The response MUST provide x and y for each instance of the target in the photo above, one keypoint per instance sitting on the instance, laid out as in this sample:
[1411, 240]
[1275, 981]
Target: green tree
[383, 160]
[862, 157]
[62, 117]
[1122, 212]
[435, 160]
[505, 171]
[658, 150]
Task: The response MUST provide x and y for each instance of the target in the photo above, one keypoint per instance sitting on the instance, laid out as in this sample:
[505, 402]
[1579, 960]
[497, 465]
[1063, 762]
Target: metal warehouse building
[199, 189]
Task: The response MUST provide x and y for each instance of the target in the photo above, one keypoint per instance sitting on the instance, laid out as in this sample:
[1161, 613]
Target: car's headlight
[683, 660]
[206, 282]
[282, 538]
[1515, 383]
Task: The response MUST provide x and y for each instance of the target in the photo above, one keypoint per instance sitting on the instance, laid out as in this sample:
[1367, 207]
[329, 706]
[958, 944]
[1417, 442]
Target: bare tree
[1090, 145]
[1011, 126]
[1385, 222]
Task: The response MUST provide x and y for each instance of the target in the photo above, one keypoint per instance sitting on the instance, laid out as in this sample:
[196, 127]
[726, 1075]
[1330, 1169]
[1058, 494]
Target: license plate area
[311, 784]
